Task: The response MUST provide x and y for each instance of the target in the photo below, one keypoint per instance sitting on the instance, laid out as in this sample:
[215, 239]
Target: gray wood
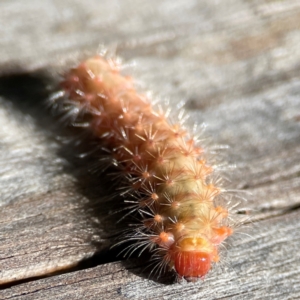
[236, 64]
[257, 267]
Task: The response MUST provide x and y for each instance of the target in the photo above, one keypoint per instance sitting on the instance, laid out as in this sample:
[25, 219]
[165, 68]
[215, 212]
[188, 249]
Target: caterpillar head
[192, 265]
[193, 257]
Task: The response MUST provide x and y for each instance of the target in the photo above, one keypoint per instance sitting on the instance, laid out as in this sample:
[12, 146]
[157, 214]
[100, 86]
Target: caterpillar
[171, 185]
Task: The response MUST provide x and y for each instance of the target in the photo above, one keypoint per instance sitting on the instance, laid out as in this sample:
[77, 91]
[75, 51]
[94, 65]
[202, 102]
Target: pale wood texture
[235, 63]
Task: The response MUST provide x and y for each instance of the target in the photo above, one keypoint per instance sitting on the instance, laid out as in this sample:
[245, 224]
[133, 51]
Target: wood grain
[236, 65]
[267, 271]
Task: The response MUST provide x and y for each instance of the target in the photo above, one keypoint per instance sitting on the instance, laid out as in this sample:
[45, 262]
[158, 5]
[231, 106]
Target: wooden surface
[236, 64]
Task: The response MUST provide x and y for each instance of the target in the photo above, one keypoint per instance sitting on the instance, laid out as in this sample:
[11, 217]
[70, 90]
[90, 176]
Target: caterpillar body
[175, 199]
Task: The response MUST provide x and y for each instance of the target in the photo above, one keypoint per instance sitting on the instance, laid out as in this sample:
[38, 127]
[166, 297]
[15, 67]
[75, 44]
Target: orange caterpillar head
[193, 257]
[192, 265]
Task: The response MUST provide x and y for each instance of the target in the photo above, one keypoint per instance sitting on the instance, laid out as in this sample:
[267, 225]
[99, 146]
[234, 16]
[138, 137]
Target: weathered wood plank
[236, 64]
[267, 271]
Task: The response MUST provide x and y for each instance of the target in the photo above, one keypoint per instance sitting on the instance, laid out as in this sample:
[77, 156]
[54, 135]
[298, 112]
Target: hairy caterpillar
[169, 180]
